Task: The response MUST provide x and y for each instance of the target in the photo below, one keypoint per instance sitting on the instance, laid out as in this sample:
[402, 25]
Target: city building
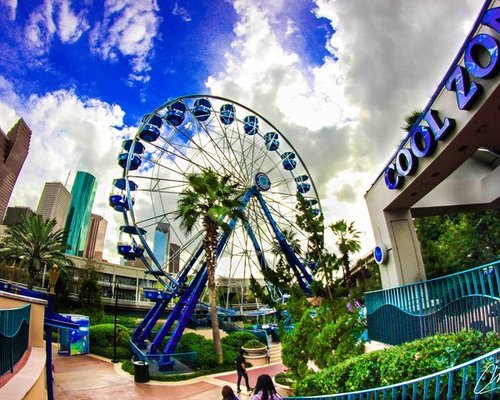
[160, 243]
[14, 214]
[174, 258]
[14, 147]
[95, 237]
[77, 222]
[54, 203]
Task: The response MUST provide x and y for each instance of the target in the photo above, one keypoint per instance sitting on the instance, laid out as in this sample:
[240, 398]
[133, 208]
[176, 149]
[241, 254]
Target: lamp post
[115, 360]
[53, 277]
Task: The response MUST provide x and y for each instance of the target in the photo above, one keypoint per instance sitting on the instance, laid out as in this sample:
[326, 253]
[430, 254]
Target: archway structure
[450, 159]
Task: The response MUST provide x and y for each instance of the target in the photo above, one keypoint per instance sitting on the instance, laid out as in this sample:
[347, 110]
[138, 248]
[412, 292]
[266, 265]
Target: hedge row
[102, 338]
[399, 363]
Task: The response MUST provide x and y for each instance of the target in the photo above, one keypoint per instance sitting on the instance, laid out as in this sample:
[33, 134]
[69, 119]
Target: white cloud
[181, 12]
[344, 116]
[11, 5]
[69, 133]
[51, 18]
[128, 30]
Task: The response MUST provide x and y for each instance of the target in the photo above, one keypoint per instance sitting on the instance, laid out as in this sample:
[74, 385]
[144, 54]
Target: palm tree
[36, 244]
[211, 199]
[347, 242]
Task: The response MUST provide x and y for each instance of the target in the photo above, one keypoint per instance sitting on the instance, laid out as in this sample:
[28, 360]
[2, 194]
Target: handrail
[405, 313]
[481, 375]
[14, 336]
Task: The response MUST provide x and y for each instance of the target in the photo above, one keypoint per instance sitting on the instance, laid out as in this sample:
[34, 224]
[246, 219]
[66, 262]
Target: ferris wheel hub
[262, 181]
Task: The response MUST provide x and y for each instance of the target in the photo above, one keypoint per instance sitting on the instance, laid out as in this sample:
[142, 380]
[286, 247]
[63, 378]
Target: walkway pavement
[94, 378]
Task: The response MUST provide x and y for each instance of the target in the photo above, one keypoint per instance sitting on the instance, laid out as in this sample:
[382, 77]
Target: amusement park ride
[185, 136]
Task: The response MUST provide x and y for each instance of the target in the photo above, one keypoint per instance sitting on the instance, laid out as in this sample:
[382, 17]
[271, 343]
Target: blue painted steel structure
[206, 132]
[465, 300]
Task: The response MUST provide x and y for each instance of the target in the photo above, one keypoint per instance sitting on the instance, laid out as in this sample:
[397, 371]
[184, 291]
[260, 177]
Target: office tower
[174, 261]
[54, 203]
[77, 222]
[14, 149]
[95, 237]
[14, 214]
[160, 242]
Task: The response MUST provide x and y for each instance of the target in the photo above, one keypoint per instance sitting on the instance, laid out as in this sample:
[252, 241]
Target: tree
[213, 200]
[347, 242]
[37, 246]
[89, 292]
[410, 119]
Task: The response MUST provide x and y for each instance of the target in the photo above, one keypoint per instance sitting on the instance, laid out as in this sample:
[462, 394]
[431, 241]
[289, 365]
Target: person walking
[264, 389]
[228, 394]
[241, 369]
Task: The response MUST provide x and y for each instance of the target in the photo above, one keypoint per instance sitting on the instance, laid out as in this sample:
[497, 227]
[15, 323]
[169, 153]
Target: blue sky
[336, 76]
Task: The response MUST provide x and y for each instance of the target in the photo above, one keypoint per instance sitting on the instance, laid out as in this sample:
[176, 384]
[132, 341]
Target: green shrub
[236, 339]
[102, 340]
[206, 357]
[399, 363]
[253, 344]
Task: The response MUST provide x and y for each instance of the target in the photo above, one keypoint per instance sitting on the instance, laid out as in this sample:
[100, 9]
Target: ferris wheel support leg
[303, 277]
[146, 326]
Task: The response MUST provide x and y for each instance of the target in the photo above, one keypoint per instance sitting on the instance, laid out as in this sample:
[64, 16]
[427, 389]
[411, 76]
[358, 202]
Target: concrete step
[275, 353]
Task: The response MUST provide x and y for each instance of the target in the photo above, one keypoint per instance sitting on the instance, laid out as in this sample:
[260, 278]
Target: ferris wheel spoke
[210, 134]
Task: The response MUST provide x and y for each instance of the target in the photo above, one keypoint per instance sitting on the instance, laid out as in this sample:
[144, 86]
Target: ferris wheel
[192, 134]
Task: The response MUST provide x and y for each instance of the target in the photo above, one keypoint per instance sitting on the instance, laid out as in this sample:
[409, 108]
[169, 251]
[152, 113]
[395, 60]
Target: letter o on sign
[406, 163]
[422, 142]
[392, 179]
[482, 43]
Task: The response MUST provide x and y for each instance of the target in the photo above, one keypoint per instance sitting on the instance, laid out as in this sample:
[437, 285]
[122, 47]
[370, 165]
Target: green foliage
[253, 344]
[399, 363]
[326, 335]
[37, 246]
[89, 292]
[347, 242]
[235, 340]
[204, 348]
[456, 242]
[102, 337]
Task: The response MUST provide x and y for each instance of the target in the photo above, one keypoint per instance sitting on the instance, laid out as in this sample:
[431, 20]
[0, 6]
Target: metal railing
[14, 336]
[464, 300]
[474, 379]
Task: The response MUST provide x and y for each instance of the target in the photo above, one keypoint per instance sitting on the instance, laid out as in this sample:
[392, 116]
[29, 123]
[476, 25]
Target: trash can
[141, 371]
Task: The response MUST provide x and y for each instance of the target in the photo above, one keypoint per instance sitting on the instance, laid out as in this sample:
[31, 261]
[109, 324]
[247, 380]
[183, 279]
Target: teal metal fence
[475, 379]
[465, 300]
[14, 336]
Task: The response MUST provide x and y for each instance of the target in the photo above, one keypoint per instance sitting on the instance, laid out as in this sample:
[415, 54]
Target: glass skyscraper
[77, 223]
[160, 242]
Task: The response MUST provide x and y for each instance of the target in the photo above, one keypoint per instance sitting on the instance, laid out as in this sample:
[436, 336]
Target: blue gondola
[312, 202]
[132, 230]
[124, 248]
[316, 211]
[227, 112]
[251, 126]
[301, 178]
[134, 162]
[175, 113]
[271, 140]
[155, 120]
[138, 146]
[121, 183]
[303, 187]
[202, 109]
[138, 250]
[149, 133]
[289, 161]
[119, 202]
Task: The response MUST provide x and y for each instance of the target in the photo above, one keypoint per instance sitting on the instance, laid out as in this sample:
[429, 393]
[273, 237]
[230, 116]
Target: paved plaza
[93, 378]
